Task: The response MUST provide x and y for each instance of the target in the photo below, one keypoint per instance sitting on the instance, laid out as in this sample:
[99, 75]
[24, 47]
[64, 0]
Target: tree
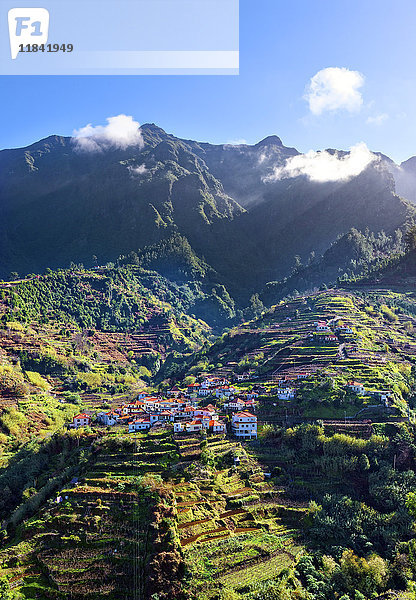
[5, 589]
[410, 239]
[411, 503]
[256, 305]
[363, 462]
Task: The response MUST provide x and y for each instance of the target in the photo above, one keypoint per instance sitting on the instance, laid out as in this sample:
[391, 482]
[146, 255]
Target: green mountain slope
[379, 351]
[320, 505]
[60, 205]
[351, 255]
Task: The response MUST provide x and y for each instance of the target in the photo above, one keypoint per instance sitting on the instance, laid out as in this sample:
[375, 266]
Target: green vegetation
[319, 507]
[116, 300]
[106, 536]
[353, 255]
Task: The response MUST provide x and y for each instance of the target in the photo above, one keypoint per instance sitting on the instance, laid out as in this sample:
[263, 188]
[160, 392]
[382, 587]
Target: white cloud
[120, 132]
[325, 166]
[333, 89]
[140, 170]
[377, 119]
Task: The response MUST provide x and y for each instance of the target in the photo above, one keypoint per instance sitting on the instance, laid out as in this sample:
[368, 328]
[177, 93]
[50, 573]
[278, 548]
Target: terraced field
[96, 538]
[235, 528]
[137, 501]
[379, 354]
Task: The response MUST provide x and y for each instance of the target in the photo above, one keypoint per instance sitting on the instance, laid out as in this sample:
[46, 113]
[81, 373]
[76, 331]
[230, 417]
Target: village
[181, 411]
[228, 432]
[228, 405]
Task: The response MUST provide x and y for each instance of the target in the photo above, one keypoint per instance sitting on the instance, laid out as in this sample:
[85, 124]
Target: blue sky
[282, 46]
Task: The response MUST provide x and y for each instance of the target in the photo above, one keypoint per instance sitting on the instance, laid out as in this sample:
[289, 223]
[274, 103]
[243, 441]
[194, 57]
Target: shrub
[37, 380]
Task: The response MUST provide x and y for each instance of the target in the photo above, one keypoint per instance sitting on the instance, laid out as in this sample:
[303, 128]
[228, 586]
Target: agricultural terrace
[236, 528]
[148, 514]
[100, 535]
[374, 344]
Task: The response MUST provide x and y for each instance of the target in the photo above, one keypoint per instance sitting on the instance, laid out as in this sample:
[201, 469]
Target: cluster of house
[286, 383]
[358, 388]
[183, 412]
[329, 330]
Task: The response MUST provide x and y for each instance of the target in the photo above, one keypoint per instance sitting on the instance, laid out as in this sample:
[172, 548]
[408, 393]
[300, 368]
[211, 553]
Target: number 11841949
[46, 48]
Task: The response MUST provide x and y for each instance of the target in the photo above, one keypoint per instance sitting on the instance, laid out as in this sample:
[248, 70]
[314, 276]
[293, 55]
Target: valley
[208, 330]
[142, 501]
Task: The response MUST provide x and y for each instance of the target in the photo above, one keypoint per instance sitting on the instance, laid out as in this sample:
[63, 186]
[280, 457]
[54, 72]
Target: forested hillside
[61, 204]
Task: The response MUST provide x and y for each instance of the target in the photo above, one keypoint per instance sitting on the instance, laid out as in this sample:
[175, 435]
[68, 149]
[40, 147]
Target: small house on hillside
[217, 426]
[139, 425]
[356, 387]
[242, 376]
[195, 425]
[345, 330]
[109, 418]
[81, 420]
[285, 393]
[322, 326]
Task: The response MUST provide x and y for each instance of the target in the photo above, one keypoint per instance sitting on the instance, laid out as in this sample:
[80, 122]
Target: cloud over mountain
[120, 132]
[325, 166]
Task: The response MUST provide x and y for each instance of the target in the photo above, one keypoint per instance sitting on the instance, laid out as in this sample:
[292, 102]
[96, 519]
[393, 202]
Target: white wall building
[356, 387]
[81, 420]
[244, 424]
[285, 393]
[139, 425]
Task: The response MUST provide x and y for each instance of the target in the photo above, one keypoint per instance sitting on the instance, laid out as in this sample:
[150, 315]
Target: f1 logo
[27, 26]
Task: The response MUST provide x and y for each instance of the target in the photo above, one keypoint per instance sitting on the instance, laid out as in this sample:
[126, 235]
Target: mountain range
[248, 227]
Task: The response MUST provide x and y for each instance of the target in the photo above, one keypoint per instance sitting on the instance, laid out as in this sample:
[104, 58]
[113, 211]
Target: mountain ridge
[60, 205]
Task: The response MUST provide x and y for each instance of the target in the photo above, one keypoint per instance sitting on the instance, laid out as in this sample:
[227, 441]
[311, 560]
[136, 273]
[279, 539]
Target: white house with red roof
[322, 326]
[217, 426]
[198, 424]
[356, 387]
[244, 425]
[166, 415]
[139, 425]
[225, 391]
[81, 420]
[209, 412]
[330, 337]
[195, 425]
[235, 404]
